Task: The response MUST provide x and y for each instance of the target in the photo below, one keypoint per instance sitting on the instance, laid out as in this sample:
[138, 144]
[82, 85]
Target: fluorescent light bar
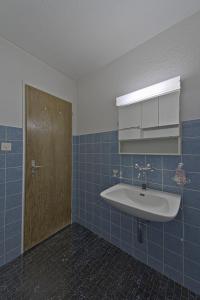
[158, 89]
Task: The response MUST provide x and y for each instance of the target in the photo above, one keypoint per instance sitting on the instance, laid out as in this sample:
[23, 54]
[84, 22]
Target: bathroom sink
[147, 204]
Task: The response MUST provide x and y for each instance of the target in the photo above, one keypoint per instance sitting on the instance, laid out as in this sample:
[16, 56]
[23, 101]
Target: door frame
[24, 83]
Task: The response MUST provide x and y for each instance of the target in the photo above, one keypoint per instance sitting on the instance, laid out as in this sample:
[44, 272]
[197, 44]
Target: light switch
[6, 146]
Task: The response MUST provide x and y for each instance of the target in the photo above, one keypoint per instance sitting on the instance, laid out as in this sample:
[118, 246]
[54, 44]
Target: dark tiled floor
[76, 264]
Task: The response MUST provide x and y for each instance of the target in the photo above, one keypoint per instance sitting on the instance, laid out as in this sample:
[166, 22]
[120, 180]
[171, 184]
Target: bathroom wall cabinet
[151, 126]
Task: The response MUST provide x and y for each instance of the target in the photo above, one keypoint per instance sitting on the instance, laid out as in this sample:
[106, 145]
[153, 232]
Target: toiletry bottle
[180, 176]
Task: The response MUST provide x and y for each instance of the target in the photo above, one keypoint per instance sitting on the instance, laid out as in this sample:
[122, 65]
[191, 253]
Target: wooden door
[48, 166]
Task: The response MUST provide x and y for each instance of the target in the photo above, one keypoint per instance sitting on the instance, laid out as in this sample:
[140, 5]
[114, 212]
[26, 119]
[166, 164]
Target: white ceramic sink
[147, 204]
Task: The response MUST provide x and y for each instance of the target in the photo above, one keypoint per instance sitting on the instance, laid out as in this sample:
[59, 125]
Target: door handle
[34, 166]
[37, 167]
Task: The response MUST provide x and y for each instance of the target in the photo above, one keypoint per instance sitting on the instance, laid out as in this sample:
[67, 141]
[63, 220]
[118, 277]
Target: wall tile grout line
[5, 202]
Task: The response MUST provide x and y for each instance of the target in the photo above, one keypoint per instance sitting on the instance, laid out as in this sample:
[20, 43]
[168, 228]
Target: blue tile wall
[172, 248]
[10, 194]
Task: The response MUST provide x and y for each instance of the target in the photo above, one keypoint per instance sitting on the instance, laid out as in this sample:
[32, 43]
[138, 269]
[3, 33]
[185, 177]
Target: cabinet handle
[134, 127]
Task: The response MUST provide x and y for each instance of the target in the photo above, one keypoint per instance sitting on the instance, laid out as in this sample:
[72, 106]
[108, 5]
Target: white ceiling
[79, 36]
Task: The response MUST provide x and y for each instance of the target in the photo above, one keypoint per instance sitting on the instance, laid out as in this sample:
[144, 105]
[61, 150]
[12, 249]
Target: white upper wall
[173, 52]
[77, 37]
[17, 66]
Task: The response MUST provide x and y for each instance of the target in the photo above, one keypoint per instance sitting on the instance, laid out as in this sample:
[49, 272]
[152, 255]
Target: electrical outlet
[6, 146]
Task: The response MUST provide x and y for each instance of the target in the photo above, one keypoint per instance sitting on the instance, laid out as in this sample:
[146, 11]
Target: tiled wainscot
[10, 194]
[172, 248]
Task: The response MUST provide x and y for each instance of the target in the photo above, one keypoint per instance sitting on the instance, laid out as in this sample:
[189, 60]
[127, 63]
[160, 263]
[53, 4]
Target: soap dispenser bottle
[180, 176]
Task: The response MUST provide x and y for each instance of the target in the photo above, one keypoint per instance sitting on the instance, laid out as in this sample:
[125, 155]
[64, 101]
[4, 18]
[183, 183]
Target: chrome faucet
[143, 169]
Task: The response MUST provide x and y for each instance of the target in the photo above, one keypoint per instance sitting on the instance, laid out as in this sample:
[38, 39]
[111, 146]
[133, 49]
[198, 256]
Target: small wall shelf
[164, 146]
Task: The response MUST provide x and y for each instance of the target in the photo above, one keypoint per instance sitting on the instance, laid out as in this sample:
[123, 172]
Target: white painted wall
[173, 52]
[16, 66]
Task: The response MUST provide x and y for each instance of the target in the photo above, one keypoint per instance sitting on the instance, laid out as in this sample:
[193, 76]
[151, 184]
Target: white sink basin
[147, 204]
